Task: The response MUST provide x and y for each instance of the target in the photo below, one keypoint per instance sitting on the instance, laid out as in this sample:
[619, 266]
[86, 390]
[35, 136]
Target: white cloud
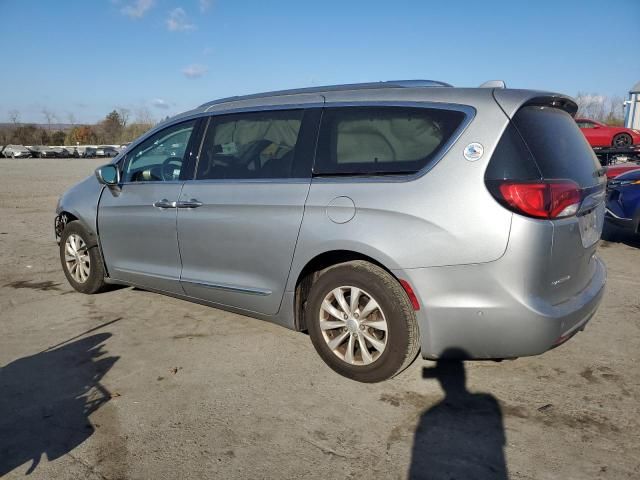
[160, 103]
[194, 71]
[178, 21]
[205, 5]
[138, 8]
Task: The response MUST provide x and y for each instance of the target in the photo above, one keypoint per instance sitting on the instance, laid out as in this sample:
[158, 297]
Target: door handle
[193, 203]
[164, 203]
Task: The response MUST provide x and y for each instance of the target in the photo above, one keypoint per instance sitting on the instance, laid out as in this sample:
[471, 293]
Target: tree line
[116, 128]
[602, 108]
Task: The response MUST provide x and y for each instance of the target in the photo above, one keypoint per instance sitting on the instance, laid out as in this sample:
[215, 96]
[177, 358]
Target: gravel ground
[131, 384]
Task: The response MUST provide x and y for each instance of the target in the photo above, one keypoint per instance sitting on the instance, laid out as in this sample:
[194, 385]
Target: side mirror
[108, 174]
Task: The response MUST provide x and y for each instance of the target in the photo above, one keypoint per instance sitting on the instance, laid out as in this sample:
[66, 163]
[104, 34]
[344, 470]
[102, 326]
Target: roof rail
[334, 88]
[493, 84]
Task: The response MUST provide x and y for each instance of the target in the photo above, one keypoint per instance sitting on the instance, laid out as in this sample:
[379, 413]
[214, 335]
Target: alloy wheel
[622, 140]
[76, 257]
[353, 325]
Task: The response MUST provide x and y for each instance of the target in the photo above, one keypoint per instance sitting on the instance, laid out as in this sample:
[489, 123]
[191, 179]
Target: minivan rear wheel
[361, 322]
[81, 261]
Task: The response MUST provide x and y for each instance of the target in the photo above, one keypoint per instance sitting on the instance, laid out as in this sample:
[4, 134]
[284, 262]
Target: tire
[622, 140]
[79, 240]
[401, 339]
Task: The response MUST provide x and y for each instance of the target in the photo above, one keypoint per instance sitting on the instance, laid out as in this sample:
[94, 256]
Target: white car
[106, 151]
[16, 151]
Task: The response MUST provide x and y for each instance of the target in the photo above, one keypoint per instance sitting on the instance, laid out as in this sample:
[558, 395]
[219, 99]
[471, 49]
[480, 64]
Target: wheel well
[311, 271]
[61, 221]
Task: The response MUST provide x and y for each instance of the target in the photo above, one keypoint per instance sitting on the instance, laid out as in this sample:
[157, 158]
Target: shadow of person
[46, 400]
[462, 437]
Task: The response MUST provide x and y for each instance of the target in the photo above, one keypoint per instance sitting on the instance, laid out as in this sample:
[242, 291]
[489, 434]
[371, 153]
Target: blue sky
[87, 57]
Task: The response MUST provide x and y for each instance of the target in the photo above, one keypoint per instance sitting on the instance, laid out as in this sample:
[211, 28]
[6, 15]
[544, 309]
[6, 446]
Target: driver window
[160, 157]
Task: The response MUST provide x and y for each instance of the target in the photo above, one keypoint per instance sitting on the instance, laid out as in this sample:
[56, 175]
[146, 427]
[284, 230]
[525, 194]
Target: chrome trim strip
[616, 216]
[154, 182]
[230, 288]
[241, 181]
[144, 274]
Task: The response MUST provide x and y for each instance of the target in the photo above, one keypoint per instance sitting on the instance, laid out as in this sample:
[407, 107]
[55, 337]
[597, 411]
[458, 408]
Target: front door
[137, 220]
[240, 217]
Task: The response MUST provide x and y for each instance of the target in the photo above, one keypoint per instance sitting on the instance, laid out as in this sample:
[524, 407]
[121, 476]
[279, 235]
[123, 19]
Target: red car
[602, 135]
[616, 170]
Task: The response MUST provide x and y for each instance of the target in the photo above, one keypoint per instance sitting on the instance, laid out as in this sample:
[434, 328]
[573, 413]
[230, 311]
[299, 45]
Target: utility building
[632, 108]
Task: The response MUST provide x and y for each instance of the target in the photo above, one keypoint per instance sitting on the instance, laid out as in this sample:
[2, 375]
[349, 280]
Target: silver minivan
[384, 219]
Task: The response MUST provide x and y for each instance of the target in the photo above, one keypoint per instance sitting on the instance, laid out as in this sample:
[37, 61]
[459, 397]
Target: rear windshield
[544, 142]
[382, 140]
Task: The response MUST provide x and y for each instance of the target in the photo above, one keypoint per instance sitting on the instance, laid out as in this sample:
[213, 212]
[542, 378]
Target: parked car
[384, 219]
[69, 152]
[106, 151]
[59, 152]
[42, 151]
[89, 152]
[602, 135]
[16, 151]
[35, 150]
[615, 170]
[623, 200]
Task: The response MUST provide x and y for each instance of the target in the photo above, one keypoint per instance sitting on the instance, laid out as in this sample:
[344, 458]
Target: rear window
[544, 142]
[382, 140]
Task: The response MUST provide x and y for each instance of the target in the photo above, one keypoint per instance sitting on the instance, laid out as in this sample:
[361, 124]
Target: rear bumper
[470, 308]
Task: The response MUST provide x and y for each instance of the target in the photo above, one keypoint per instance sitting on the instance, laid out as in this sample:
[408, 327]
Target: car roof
[403, 91]
[332, 88]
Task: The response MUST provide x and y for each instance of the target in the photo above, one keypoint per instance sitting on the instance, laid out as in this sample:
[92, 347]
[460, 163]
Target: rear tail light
[539, 199]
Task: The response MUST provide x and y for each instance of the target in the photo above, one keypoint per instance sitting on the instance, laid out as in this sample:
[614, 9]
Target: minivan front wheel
[361, 322]
[81, 260]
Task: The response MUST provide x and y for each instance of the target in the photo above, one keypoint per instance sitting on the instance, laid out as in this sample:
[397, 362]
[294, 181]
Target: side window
[583, 124]
[250, 145]
[160, 157]
[382, 140]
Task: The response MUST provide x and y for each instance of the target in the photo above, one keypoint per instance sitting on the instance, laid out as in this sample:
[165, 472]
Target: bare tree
[124, 113]
[600, 108]
[14, 116]
[49, 115]
[143, 116]
[72, 118]
[615, 115]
